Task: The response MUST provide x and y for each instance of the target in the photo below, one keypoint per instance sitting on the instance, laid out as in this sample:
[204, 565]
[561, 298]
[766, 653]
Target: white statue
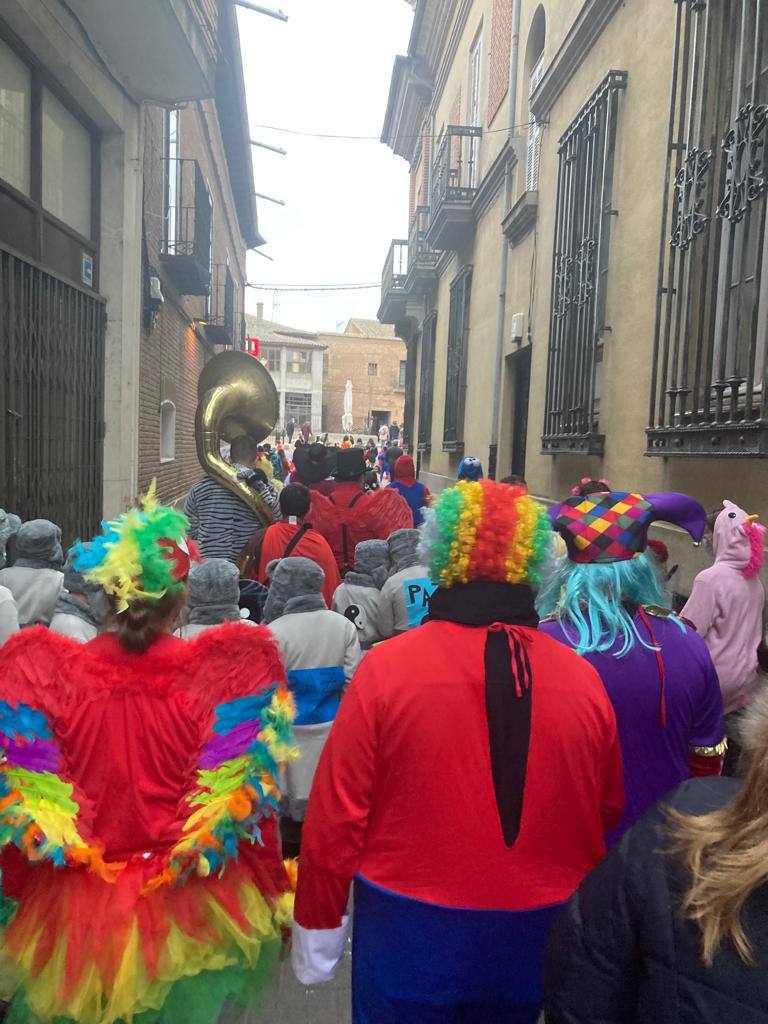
[346, 419]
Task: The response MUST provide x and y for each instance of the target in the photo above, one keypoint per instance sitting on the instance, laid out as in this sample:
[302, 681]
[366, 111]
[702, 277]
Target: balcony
[186, 248]
[222, 324]
[422, 259]
[163, 51]
[455, 178]
[393, 278]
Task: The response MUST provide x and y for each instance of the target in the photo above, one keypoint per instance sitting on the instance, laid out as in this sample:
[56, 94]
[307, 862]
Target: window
[533, 148]
[373, 369]
[402, 374]
[456, 362]
[427, 381]
[474, 115]
[167, 432]
[48, 171]
[298, 406]
[271, 359]
[15, 130]
[709, 395]
[66, 166]
[534, 71]
[299, 361]
[579, 274]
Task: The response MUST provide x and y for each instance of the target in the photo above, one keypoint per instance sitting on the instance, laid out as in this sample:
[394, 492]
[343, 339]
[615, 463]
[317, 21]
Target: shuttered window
[534, 133]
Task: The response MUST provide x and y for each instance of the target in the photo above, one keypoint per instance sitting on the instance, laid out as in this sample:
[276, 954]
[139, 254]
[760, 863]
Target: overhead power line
[313, 287]
[376, 138]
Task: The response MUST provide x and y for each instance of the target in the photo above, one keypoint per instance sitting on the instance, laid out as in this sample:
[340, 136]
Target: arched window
[534, 69]
[167, 431]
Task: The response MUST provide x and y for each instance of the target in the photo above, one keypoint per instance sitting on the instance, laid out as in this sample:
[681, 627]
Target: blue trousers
[418, 963]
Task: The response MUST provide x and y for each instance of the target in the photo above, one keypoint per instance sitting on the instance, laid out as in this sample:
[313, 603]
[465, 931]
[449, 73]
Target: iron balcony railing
[421, 256]
[455, 174]
[188, 222]
[222, 323]
[395, 270]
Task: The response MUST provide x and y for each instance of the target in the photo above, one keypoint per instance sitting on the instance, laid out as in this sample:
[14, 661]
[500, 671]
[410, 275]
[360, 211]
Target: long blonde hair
[726, 851]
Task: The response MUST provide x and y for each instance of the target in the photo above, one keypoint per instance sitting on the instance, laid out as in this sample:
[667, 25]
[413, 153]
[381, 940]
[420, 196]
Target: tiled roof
[369, 329]
[271, 333]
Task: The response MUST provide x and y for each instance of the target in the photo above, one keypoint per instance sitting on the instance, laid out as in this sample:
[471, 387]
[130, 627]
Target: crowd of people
[480, 727]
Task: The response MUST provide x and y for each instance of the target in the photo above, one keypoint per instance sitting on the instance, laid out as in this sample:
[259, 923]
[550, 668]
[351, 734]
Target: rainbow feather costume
[137, 815]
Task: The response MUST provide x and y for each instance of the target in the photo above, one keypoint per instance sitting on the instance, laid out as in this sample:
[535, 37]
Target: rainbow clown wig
[140, 556]
[481, 530]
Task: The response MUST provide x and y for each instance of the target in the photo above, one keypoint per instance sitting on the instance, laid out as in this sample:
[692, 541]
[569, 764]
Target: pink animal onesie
[726, 603]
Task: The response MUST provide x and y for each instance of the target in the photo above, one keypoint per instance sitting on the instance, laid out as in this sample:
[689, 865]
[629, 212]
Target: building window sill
[521, 218]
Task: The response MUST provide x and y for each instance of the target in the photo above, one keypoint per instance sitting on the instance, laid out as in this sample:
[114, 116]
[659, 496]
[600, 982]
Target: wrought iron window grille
[456, 362]
[52, 398]
[709, 362]
[579, 274]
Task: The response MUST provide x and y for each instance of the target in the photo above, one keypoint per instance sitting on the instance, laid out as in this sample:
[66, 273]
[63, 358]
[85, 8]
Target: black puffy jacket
[621, 952]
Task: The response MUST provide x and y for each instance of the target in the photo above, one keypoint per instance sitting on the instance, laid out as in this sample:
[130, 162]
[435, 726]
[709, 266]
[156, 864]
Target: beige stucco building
[584, 289]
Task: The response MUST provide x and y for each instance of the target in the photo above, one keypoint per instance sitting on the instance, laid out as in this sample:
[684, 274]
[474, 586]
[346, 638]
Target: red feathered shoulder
[386, 512]
[34, 667]
[233, 660]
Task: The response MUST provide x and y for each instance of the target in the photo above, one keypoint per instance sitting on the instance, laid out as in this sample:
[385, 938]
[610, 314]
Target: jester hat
[483, 530]
[613, 526]
[140, 556]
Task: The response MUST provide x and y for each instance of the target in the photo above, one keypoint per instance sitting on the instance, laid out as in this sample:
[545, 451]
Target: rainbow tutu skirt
[89, 951]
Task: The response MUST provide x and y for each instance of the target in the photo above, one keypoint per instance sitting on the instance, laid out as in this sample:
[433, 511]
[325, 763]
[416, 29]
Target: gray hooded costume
[212, 597]
[358, 597]
[9, 617]
[79, 617]
[9, 527]
[405, 595]
[35, 578]
[320, 652]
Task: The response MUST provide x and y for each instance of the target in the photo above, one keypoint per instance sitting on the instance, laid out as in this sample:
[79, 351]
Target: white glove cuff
[317, 952]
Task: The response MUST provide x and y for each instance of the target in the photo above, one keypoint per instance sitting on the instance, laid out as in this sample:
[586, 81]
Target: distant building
[368, 354]
[295, 360]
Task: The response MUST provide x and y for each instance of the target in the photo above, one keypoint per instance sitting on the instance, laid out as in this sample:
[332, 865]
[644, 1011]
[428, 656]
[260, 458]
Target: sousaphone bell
[236, 396]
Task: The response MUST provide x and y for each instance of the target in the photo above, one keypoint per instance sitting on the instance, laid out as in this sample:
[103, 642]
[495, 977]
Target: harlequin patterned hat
[613, 526]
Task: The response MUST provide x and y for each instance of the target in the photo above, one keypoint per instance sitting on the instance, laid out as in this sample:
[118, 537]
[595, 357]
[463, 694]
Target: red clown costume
[349, 515]
[465, 788]
[137, 804]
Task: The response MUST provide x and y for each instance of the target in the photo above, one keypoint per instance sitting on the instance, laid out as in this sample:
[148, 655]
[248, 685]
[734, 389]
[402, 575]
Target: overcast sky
[327, 71]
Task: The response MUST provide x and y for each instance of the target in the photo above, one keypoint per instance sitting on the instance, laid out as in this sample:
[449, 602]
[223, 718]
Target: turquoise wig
[592, 602]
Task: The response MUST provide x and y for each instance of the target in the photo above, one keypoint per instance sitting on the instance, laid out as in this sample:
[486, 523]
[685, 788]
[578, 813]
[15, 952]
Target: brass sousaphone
[236, 396]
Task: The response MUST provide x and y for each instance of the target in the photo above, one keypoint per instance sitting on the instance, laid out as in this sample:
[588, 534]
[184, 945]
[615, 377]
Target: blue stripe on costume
[317, 692]
[419, 963]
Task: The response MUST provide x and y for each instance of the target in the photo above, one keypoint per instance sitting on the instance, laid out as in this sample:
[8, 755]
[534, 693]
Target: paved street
[292, 1003]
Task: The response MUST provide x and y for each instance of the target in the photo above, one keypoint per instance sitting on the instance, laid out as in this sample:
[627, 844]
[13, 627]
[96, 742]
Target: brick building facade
[369, 355]
[190, 196]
